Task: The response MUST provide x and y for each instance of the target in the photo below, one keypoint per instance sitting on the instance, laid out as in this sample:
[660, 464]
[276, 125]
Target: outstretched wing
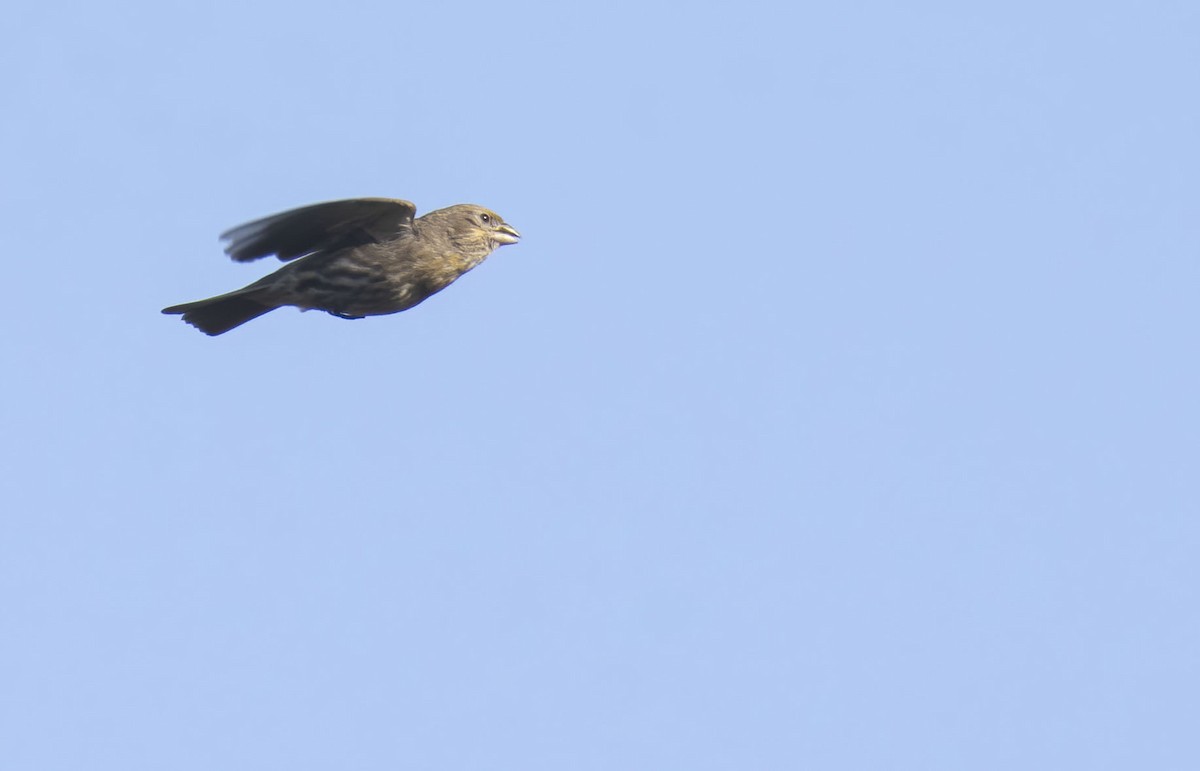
[320, 227]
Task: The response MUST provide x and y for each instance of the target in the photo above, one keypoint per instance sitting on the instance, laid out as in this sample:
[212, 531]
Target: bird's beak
[507, 234]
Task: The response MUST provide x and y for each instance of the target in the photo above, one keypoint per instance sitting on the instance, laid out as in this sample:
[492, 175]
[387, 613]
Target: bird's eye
[485, 217]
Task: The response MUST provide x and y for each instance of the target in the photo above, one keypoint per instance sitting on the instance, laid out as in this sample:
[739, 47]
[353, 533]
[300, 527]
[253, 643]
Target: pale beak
[506, 234]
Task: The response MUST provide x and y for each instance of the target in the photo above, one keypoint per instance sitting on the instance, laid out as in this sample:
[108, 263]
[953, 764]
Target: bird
[352, 258]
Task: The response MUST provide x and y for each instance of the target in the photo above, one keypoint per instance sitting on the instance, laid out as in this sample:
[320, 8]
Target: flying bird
[353, 258]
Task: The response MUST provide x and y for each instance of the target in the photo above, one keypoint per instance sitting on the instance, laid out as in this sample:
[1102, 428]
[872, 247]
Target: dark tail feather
[220, 314]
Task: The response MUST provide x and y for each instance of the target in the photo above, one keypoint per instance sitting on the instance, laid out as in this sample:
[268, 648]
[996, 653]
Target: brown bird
[358, 257]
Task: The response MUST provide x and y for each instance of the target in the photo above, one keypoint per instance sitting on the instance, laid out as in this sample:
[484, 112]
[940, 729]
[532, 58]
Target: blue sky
[837, 410]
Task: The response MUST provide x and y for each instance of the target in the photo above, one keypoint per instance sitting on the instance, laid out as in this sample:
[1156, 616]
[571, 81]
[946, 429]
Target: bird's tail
[224, 312]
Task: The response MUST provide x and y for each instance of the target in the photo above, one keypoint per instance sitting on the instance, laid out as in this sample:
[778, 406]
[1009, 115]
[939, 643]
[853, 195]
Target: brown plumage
[358, 257]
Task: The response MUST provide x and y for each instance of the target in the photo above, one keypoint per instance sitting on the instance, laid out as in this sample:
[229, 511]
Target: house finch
[359, 257]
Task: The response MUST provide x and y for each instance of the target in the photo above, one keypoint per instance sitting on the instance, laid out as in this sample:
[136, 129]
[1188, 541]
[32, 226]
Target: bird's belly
[387, 297]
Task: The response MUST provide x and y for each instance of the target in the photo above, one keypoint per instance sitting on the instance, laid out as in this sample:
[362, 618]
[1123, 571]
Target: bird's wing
[320, 227]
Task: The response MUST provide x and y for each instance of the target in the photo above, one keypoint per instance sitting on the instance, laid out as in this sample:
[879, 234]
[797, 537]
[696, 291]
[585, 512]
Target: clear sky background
[838, 409]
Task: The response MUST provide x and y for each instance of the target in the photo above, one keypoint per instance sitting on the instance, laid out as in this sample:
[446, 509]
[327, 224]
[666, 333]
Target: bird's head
[473, 228]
